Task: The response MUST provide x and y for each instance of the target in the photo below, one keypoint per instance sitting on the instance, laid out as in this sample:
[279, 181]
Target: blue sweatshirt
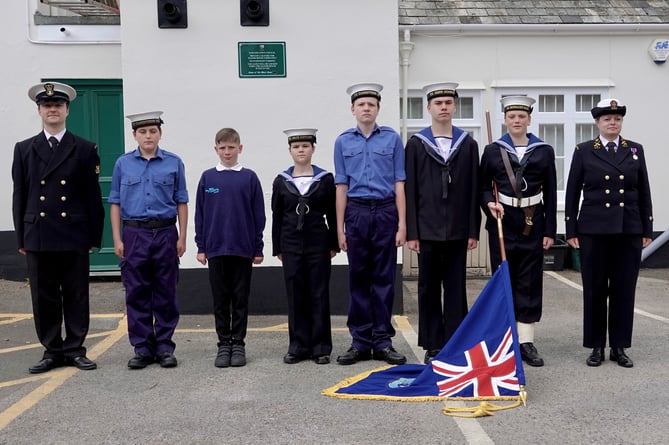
[229, 214]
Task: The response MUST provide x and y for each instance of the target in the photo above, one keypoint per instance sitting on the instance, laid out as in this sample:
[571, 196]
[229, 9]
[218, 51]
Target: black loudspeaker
[172, 14]
[254, 12]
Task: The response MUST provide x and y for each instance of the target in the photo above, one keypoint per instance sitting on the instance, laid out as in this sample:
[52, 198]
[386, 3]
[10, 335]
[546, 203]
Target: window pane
[464, 108]
[586, 102]
[585, 132]
[415, 107]
[551, 103]
[553, 134]
[559, 167]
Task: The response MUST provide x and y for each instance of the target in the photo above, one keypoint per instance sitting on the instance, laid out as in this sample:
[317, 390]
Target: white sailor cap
[608, 106]
[301, 134]
[520, 102]
[366, 89]
[441, 89]
[52, 92]
[145, 119]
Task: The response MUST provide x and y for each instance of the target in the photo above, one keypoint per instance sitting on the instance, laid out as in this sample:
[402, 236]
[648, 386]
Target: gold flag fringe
[485, 408]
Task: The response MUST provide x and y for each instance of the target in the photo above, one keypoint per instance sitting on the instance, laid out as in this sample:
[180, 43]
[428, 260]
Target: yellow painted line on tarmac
[282, 327]
[55, 379]
[402, 322]
[14, 318]
[16, 382]
[39, 345]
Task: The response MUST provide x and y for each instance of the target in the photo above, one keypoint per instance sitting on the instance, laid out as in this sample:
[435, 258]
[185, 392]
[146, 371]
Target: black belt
[372, 202]
[151, 224]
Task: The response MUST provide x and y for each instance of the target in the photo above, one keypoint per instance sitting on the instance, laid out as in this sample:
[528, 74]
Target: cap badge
[614, 105]
[48, 87]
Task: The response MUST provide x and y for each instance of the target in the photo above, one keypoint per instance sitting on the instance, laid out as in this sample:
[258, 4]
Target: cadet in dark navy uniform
[523, 168]
[304, 238]
[614, 223]
[443, 216]
[58, 217]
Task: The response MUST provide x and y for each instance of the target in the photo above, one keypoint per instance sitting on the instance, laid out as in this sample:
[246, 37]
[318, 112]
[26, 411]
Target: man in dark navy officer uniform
[58, 217]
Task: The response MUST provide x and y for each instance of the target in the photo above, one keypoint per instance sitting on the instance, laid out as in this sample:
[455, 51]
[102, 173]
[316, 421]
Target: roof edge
[539, 29]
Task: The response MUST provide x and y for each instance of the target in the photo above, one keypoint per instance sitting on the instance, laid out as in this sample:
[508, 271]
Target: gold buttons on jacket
[622, 204]
[621, 177]
[42, 214]
[64, 214]
[607, 177]
[607, 205]
[621, 191]
[42, 198]
[607, 191]
[63, 182]
[63, 198]
[42, 182]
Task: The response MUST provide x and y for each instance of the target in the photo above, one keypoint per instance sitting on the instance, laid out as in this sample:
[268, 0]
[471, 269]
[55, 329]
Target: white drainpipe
[656, 244]
[406, 47]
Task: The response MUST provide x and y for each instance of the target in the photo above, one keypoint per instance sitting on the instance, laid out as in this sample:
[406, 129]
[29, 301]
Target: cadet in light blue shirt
[148, 196]
[371, 224]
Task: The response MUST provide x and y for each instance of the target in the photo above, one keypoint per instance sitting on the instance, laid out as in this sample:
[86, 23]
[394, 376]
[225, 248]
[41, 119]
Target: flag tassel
[482, 410]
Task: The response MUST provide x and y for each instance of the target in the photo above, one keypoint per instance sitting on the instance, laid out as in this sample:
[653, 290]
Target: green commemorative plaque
[262, 59]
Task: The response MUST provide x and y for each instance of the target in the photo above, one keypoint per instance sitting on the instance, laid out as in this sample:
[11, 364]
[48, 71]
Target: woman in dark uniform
[523, 168]
[304, 238]
[614, 223]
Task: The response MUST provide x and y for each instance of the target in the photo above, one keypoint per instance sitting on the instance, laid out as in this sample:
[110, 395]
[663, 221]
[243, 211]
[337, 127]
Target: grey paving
[269, 402]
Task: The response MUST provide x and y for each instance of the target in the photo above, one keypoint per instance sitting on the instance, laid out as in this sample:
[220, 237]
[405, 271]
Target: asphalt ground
[270, 402]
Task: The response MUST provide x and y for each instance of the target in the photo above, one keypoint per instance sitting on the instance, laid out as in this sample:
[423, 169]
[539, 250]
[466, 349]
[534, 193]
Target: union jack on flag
[484, 372]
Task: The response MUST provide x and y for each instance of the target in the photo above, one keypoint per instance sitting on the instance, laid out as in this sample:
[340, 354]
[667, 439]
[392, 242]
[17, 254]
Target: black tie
[54, 143]
[611, 148]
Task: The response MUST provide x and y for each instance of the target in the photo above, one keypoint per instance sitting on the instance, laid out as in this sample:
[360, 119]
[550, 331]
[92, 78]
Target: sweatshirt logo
[212, 190]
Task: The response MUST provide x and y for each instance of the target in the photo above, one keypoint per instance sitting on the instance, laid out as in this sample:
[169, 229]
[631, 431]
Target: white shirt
[303, 183]
[444, 145]
[220, 167]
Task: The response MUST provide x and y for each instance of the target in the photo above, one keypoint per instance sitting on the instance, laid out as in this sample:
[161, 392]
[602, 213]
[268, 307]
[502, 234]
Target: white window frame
[66, 30]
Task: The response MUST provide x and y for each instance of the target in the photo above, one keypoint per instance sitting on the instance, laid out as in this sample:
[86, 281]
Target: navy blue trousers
[372, 257]
[150, 271]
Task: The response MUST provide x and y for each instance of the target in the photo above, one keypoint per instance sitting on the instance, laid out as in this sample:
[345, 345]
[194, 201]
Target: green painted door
[97, 115]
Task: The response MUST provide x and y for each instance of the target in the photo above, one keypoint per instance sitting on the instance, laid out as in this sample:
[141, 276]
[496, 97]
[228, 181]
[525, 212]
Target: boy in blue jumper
[229, 224]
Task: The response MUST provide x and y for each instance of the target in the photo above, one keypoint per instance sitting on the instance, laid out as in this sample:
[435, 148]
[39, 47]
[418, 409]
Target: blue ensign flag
[481, 361]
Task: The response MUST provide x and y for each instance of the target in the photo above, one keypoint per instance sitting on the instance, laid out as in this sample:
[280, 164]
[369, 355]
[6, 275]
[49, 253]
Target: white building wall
[192, 75]
[558, 59]
[25, 63]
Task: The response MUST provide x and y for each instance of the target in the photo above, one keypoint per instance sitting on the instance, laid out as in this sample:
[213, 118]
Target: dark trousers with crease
[230, 281]
[59, 289]
[372, 261]
[609, 269]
